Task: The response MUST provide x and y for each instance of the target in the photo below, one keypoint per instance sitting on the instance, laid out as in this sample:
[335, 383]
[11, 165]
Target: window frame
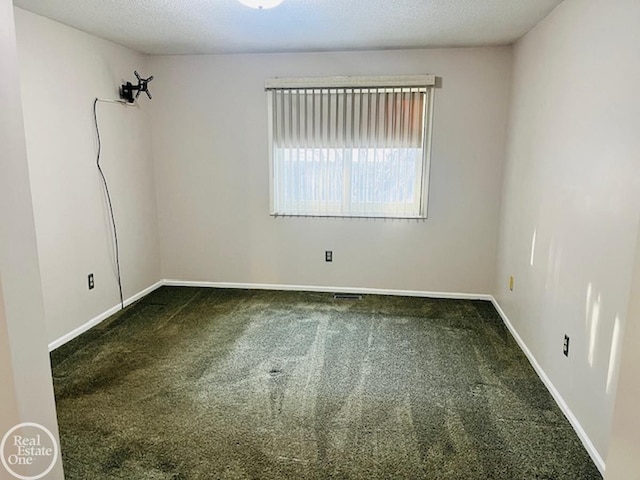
[359, 82]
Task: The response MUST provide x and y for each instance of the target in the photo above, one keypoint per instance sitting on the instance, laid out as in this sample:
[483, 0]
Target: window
[350, 146]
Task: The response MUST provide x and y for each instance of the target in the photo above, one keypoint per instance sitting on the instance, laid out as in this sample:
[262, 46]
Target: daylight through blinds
[348, 151]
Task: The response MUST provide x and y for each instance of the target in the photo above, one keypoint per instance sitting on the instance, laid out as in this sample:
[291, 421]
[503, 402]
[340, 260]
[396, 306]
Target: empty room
[303, 239]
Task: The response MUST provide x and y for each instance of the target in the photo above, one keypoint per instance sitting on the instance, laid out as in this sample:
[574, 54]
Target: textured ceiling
[226, 26]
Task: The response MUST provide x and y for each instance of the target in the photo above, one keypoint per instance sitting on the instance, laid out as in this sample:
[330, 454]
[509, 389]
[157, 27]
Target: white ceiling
[226, 26]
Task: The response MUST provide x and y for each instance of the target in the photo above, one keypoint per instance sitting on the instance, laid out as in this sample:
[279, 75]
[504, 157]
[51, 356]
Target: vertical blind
[351, 151]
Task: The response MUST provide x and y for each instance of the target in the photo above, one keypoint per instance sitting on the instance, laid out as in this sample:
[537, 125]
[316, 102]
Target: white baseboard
[103, 316]
[584, 438]
[317, 288]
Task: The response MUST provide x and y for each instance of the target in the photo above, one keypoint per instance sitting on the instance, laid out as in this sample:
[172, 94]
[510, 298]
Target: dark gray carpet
[195, 383]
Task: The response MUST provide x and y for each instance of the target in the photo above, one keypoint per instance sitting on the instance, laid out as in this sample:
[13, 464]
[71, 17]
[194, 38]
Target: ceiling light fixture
[261, 4]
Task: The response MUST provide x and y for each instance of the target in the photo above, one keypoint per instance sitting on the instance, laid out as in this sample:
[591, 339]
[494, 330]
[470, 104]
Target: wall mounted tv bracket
[127, 89]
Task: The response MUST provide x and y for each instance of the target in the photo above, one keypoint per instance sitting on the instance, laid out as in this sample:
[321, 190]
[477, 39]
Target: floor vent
[346, 296]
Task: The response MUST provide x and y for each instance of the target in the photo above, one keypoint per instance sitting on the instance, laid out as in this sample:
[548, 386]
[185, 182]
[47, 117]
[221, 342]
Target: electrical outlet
[565, 346]
[511, 283]
[90, 281]
[328, 256]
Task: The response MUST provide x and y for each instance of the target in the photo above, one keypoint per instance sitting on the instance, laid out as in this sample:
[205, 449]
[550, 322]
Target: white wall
[572, 182]
[26, 392]
[210, 149]
[623, 459]
[62, 71]
[9, 415]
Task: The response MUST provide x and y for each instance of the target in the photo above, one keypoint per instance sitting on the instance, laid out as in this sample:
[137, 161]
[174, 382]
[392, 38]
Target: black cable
[106, 189]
